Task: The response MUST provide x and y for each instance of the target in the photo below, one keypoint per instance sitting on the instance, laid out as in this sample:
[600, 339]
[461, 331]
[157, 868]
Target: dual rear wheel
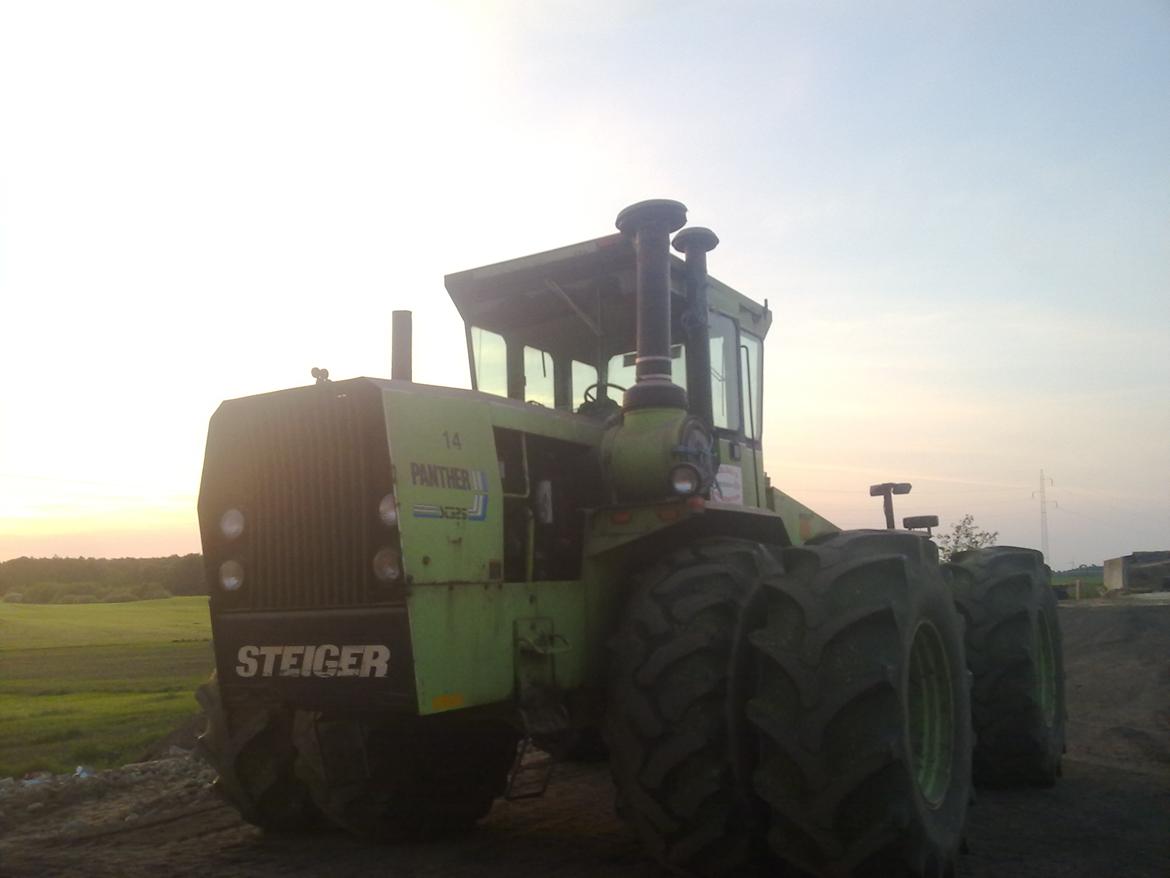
[809, 708]
[1014, 652]
[817, 708]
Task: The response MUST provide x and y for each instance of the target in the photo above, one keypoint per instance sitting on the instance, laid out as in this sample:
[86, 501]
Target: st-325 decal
[430, 475]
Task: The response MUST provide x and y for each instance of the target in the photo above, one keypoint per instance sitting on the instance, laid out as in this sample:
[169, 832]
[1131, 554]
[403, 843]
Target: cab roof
[580, 300]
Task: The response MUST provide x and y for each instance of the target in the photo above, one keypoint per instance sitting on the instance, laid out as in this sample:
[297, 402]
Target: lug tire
[679, 679]
[863, 709]
[251, 750]
[1014, 653]
[416, 779]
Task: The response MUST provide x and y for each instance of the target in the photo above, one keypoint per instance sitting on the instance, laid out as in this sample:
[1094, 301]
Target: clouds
[958, 215]
[959, 398]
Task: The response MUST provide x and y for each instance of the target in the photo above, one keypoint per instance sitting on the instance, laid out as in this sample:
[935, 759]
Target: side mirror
[886, 490]
[889, 488]
[916, 522]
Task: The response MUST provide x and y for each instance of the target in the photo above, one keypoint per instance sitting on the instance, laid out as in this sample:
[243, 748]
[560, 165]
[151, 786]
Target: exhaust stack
[696, 242]
[401, 343]
[650, 224]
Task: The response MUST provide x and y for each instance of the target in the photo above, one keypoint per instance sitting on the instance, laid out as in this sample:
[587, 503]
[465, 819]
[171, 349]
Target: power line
[1044, 483]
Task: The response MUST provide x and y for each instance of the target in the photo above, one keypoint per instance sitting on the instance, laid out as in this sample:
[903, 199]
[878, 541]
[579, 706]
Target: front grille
[308, 468]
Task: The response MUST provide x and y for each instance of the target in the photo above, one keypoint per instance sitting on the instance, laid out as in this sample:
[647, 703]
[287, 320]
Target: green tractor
[414, 588]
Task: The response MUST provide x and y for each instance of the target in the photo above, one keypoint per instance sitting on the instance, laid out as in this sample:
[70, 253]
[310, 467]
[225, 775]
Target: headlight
[231, 575]
[387, 564]
[684, 480]
[231, 523]
[388, 511]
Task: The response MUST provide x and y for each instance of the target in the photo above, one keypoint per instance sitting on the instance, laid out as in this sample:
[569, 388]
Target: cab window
[490, 357]
[724, 373]
[583, 377]
[538, 377]
[751, 351]
[621, 368]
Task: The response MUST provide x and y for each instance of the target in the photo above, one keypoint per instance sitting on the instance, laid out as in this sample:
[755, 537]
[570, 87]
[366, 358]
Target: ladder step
[529, 778]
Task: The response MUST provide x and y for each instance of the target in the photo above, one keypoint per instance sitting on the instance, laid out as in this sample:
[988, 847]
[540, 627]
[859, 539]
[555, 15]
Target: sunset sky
[959, 213]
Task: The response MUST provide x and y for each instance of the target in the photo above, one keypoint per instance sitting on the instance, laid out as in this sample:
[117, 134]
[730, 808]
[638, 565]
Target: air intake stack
[650, 225]
[658, 449]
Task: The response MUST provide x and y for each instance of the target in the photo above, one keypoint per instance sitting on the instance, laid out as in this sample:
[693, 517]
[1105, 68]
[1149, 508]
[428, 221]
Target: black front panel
[340, 659]
[307, 467]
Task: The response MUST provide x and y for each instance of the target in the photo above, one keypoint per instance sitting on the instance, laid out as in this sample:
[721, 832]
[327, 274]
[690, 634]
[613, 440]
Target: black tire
[679, 678]
[417, 778]
[1015, 656]
[251, 749]
[861, 638]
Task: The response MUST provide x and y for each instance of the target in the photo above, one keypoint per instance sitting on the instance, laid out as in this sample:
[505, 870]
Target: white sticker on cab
[728, 485]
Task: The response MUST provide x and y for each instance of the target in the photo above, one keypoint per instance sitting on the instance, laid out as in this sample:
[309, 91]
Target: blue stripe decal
[476, 512]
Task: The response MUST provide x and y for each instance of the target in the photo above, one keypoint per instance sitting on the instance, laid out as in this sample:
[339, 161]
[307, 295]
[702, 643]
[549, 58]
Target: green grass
[96, 684]
[1091, 586]
[30, 626]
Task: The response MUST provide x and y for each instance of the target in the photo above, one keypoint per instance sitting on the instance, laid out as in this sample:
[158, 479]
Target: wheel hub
[931, 709]
[1045, 671]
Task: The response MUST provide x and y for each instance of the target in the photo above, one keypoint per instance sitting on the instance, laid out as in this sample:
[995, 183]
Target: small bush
[119, 597]
[52, 592]
[76, 599]
[151, 591]
[14, 597]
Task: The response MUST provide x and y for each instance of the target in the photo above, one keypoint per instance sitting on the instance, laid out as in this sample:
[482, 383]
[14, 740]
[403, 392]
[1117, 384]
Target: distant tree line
[1082, 571]
[91, 580]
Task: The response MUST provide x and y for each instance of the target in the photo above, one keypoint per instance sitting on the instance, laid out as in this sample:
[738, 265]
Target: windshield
[735, 373]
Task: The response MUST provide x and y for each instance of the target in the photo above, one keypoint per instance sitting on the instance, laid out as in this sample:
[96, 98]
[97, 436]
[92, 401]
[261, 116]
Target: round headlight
[388, 511]
[684, 480]
[231, 523]
[387, 564]
[231, 575]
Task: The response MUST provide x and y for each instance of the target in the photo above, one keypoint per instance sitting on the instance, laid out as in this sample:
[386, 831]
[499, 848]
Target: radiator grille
[308, 467]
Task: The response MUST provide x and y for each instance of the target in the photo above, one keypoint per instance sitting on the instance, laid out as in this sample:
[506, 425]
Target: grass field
[1091, 586]
[96, 684]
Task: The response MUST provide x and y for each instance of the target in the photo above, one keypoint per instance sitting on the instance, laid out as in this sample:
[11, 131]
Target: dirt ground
[1109, 815]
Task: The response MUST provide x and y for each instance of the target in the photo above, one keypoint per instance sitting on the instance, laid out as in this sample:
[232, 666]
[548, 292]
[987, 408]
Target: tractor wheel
[680, 752]
[863, 709]
[1014, 653]
[410, 779]
[251, 750]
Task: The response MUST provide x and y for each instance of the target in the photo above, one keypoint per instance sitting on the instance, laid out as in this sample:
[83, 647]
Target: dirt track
[1110, 815]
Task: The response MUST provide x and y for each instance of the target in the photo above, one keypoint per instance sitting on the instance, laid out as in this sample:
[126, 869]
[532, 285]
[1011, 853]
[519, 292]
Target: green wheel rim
[1045, 670]
[931, 717]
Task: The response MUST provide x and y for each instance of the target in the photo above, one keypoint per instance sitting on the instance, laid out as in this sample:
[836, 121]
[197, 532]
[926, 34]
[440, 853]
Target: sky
[959, 214]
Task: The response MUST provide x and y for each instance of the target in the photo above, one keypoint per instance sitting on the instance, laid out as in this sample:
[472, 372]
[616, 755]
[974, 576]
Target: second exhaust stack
[401, 345]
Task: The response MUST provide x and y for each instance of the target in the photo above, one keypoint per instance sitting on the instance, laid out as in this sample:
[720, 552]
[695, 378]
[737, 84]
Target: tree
[185, 575]
[965, 534]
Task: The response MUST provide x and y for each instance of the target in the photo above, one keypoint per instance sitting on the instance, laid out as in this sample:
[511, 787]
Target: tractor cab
[559, 329]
